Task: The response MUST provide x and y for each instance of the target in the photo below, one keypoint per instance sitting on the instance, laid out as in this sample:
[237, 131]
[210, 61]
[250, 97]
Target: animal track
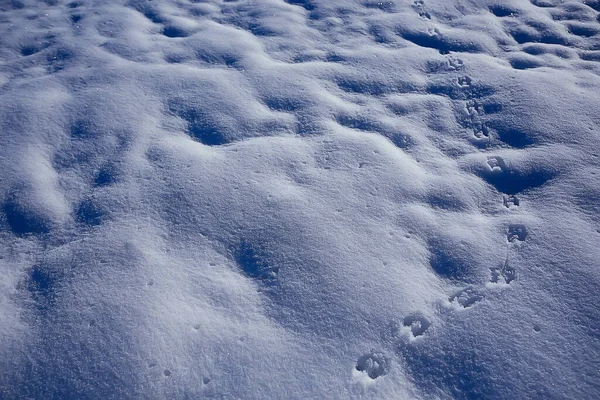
[496, 164]
[455, 63]
[475, 110]
[461, 89]
[417, 323]
[516, 232]
[467, 297]
[464, 81]
[419, 5]
[374, 364]
[503, 274]
[449, 63]
[511, 201]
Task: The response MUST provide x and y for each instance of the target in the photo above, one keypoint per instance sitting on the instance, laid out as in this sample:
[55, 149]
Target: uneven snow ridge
[304, 199]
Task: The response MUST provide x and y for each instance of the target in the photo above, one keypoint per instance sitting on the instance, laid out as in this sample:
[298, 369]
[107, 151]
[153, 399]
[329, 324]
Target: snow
[301, 199]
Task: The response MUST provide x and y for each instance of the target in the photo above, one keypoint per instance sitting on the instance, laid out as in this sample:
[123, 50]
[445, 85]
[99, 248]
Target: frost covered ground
[304, 199]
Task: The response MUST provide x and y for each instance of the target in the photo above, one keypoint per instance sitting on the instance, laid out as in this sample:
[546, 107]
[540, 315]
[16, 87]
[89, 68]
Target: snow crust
[304, 199]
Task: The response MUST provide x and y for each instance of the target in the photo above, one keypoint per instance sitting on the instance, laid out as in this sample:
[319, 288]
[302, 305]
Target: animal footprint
[510, 201]
[504, 274]
[419, 6]
[516, 232]
[374, 364]
[496, 164]
[473, 107]
[433, 32]
[464, 81]
[455, 63]
[417, 323]
[466, 298]
[475, 112]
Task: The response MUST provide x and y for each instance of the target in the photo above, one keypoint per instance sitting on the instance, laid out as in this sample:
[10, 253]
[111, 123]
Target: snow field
[303, 199]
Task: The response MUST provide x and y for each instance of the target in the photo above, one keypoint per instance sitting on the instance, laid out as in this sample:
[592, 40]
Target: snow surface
[304, 199]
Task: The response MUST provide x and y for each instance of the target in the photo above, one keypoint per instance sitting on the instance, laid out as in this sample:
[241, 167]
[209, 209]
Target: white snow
[304, 199]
